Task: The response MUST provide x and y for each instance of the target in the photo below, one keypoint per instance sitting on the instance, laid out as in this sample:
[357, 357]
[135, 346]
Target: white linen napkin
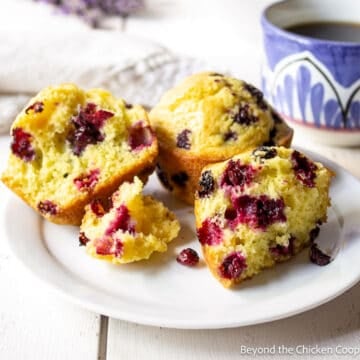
[33, 57]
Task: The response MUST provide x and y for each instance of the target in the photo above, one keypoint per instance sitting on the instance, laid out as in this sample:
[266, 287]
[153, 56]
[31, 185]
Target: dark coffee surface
[335, 31]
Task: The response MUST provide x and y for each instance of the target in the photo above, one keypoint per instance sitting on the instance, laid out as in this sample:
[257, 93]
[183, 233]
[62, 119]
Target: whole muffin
[134, 226]
[259, 208]
[206, 119]
[70, 146]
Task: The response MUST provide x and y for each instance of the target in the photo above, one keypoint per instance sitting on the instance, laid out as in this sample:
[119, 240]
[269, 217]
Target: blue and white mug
[313, 83]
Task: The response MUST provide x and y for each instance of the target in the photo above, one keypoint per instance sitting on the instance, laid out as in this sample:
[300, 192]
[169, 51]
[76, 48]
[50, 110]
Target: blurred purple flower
[93, 10]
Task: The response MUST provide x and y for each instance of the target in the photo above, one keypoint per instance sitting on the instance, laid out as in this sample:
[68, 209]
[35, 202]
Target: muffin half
[70, 146]
[259, 208]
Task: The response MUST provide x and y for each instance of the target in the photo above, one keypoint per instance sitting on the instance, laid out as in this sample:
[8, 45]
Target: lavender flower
[93, 10]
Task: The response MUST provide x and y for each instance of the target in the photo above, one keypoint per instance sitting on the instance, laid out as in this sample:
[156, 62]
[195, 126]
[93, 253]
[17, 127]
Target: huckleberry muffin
[259, 208]
[209, 118]
[131, 229]
[70, 146]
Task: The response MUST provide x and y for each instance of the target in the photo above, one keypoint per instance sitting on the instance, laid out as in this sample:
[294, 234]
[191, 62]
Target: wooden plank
[334, 324]
[34, 322]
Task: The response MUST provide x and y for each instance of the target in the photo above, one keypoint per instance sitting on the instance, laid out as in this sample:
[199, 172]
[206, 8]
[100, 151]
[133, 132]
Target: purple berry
[264, 152]
[237, 174]
[230, 135]
[233, 266]
[122, 222]
[21, 145]
[163, 177]
[209, 233]
[140, 136]
[244, 116]
[183, 140]
[97, 208]
[36, 107]
[47, 207]
[104, 246]
[188, 257]
[304, 169]
[86, 128]
[109, 246]
[83, 239]
[206, 184]
[230, 214]
[318, 257]
[281, 250]
[259, 212]
[180, 178]
[87, 182]
[258, 95]
[118, 248]
[314, 233]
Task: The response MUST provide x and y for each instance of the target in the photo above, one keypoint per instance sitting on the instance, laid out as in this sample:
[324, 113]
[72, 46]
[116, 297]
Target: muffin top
[276, 172]
[210, 114]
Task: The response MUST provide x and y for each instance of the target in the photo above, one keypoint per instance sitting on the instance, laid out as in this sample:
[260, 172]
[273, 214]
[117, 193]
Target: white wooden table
[36, 324]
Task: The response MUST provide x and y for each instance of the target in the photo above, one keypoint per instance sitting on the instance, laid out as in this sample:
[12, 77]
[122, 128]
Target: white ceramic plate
[163, 293]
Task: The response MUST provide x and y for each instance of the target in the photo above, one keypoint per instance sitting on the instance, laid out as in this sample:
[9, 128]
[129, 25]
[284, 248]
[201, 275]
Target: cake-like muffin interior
[133, 228]
[69, 145]
[259, 208]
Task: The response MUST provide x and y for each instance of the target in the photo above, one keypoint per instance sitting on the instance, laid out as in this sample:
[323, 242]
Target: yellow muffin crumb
[134, 227]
